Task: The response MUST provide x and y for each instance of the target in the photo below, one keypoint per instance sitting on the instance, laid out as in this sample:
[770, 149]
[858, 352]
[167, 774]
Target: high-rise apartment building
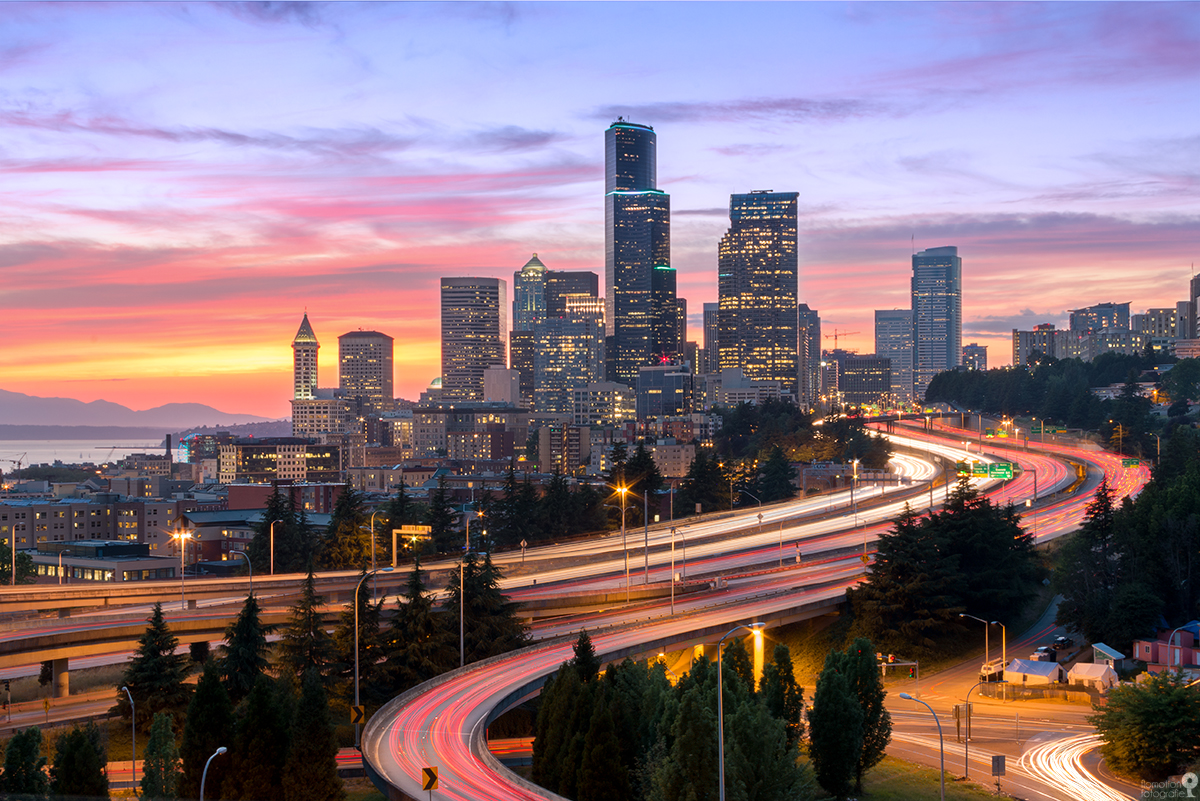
[1043, 340]
[529, 295]
[637, 223]
[474, 332]
[304, 362]
[711, 358]
[975, 357]
[1091, 319]
[894, 341]
[365, 370]
[756, 288]
[937, 315]
[808, 347]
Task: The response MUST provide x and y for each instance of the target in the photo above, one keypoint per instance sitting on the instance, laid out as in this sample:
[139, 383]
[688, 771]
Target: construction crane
[18, 461]
[836, 333]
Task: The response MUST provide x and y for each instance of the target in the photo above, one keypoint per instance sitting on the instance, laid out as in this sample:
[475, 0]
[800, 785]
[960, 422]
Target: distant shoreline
[109, 434]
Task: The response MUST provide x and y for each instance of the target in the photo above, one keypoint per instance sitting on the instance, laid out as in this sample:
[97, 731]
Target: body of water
[47, 451]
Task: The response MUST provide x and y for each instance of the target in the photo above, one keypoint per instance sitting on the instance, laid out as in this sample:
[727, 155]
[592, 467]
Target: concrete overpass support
[62, 677]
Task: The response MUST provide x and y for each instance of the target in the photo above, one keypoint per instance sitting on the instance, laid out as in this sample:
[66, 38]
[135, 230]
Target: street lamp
[374, 586]
[356, 590]
[133, 737]
[853, 485]
[60, 568]
[273, 522]
[249, 567]
[183, 537]
[756, 630]
[987, 651]
[624, 542]
[672, 570]
[941, 742]
[204, 775]
[462, 590]
[967, 739]
[1003, 641]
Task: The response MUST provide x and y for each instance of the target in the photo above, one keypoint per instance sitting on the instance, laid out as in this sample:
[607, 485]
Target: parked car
[1044, 653]
[1061, 643]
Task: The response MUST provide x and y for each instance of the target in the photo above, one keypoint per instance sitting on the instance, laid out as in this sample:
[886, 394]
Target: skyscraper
[894, 340]
[711, 357]
[937, 315]
[561, 283]
[529, 295]
[304, 362]
[808, 341]
[637, 223]
[474, 330]
[570, 353]
[365, 371]
[756, 288]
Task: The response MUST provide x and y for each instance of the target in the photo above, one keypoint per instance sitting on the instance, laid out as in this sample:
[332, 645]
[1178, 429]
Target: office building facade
[474, 333]
[710, 359]
[894, 341]
[975, 357]
[808, 355]
[637, 223]
[304, 362]
[569, 355]
[365, 370]
[756, 288]
[560, 284]
[529, 295]
[937, 315]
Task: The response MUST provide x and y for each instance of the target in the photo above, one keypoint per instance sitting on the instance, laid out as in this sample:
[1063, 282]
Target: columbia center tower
[641, 309]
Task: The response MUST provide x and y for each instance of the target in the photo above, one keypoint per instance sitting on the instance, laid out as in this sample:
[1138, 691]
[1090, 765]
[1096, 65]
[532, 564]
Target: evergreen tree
[1087, 571]
[643, 478]
[418, 643]
[155, 675]
[782, 695]
[310, 773]
[775, 482]
[279, 508]
[705, 484]
[442, 520]
[208, 726]
[551, 734]
[79, 764]
[759, 764]
[372, 672]
[616, 464]
[739, 670]
[261, 744]
[244, 655]
[491, 625]
[835, 730]
[160, 765]
[688, 772]
[586, 663]
[305, 645]
[403, 510]
[23, 765]
[347, 544]
[556, 509]
[26, 570]
[862, 673]
[602, 776]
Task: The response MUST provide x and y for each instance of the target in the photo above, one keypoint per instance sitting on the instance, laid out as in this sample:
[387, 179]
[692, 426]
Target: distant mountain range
[19, 409]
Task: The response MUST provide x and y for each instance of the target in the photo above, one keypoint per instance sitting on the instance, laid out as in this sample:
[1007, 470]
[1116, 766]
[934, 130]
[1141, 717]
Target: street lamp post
[356, 591]
[624, 542]
[1170, 640]
[756, 630]
[646, 537]
[967, 739]
[374, 585]
[204, 775]
[853, 486]
[987, 651]
[672, 570]
[60, 567]
[1003, 641]
[273, 522]
[249, 567]
[941, 742]
[133, 737]
[183, 537]
[462, 591]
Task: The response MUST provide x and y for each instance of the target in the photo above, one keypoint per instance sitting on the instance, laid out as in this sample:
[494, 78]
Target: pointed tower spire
[304, 362]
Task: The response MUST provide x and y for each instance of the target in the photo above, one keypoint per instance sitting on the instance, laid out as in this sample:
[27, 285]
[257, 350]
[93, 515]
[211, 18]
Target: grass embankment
[898, 780]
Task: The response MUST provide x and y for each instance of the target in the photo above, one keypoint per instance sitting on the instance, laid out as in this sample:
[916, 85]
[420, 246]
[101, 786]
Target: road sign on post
[429, 778]
[357, 713]
[1001, 470]
[979, 470]
[1130, 462]
[998, 765]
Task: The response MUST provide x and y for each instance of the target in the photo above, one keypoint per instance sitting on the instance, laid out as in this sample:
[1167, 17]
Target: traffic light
[6, 685]
[891, 658]
[912, 672]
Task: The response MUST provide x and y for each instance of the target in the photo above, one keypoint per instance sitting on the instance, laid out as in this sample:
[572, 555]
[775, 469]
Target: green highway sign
[1002, 470]
[979, 470]
[1130, 462]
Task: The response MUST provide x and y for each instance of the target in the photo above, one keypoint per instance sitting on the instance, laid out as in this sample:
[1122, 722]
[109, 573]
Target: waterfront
[47, 451]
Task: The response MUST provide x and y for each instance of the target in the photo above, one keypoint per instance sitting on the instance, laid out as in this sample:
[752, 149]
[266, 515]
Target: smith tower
[641, 315]
[304, 362]
[756, 288]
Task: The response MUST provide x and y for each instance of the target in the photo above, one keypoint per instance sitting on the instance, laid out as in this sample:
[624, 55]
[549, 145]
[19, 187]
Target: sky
[181, 182]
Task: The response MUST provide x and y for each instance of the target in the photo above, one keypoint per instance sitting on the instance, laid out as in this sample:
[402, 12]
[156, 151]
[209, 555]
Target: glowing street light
[183, 537]
[357, 743]
[756, 630]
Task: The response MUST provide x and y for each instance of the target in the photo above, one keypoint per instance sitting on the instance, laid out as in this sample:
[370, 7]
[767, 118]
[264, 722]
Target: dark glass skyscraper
[937, 315]
[757, 268]
[641, 317]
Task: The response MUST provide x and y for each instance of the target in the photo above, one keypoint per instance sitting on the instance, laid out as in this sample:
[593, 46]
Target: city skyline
[183, 182]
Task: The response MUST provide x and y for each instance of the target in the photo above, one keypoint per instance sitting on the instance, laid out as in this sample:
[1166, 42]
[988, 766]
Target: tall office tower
[365, 370]
[522, 345]
[681, 327]
[637, 234]
[937, 315]
[1194, 296]
[569, 354]
[711, 357]
[474, 330]
[808, 342]
[529, 295]
[894, 340]
[560, 283]
[304, 362]
[756, 288]
[664, 315]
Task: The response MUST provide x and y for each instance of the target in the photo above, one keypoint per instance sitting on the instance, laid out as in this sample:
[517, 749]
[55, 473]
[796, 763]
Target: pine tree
[491, 625]
[305, 645]
[208, 726]
[442, 520]
[155, 675]
[347, 544]
[311, 773]
[777, 473]
[79, 764]
[759, 764]
[739, 671]
[602, 776]
[586, 663]
[244, 655]
[782, 695]
[261, 745]
[24, 772]
[372, 672]
[551, 735]
[160, 765]
[835, 726]
[555, 509]
[643, 478]
[418, 644]
[279, 508]
[862, 672]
